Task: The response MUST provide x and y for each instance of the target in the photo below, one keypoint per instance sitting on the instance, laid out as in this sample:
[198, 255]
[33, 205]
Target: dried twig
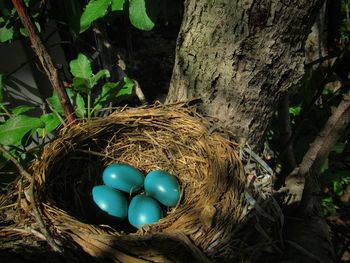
[16, 163]
[139, 93]
[35, 208]
[40, 221]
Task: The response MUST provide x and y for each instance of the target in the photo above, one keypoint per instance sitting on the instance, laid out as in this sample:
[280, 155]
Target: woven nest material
[217, 189]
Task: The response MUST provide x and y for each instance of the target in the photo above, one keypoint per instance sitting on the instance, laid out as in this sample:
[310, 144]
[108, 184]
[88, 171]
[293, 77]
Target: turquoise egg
[110, 200]
[144, 210]
[163, 187]
[123, 177]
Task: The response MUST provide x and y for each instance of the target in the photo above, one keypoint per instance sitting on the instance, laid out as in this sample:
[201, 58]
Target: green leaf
[325, 91]
[98, 76]
[75, 98]
[84, 80]
[114, 92]
[143, 13]
[51, 122]
[22, 109]
[295, 111]
[82, 85]
[117, 5]
[339, 147]
[325, 166]
[329, 208]
[109, 91]
[24, 32]
[38, 27]
[14, 129]
[128, 87]
[55, 103]
[95, 9]
[338, 188]
[6, 34]
[81, 67]
[79, 104]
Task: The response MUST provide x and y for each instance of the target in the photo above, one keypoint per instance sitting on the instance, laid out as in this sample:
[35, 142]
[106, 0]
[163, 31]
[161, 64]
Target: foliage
[335, 177]
[10, 24]
[142, 13]
[308, 114]
[95, 9]
[344, 26]
[89, 92]
[311, 104]
[24, 135]
[85, 81]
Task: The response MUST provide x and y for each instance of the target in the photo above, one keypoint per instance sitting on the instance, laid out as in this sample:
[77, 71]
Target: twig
[139, 93]
[322, 145]
[2, 107]
[40, 221]
[56, 113]
[318, 152]
[16, 163]
[91, 152]
[34, 206]
[322, 59]
[308, 107]
[45, 60]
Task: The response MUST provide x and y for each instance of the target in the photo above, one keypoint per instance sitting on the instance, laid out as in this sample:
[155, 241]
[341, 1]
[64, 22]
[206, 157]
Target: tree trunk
[239, 57]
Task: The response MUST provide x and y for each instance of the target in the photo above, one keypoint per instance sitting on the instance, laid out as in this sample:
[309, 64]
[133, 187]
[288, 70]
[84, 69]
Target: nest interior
[174, 139]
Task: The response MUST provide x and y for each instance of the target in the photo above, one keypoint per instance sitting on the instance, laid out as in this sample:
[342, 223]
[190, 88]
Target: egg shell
[123, 177]
[162, 186]
[144, 210]
[110, 200]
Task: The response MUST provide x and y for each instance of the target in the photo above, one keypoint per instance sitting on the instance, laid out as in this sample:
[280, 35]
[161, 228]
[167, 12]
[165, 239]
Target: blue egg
[123, 177]
[163, 187]
[144, 210]
[110, 200]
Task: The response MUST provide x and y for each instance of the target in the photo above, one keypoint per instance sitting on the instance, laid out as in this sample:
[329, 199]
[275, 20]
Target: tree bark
[239, 57]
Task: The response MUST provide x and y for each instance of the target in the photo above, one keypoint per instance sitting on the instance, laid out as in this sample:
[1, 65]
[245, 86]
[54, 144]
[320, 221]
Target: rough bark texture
[239, 57]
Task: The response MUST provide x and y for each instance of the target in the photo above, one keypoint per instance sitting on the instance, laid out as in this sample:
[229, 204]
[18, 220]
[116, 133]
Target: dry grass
[217, 191]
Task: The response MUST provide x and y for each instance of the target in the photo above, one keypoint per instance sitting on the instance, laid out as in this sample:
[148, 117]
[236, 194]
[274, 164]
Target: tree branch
[46, 61]
[316, 155]
[322, 145]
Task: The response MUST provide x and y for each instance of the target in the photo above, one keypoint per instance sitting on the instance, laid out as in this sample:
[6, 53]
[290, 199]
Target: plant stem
[46, 61]
[89, 105]
[2, 107]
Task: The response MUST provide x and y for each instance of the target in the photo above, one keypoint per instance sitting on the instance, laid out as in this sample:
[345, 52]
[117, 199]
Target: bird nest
[215, 176]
